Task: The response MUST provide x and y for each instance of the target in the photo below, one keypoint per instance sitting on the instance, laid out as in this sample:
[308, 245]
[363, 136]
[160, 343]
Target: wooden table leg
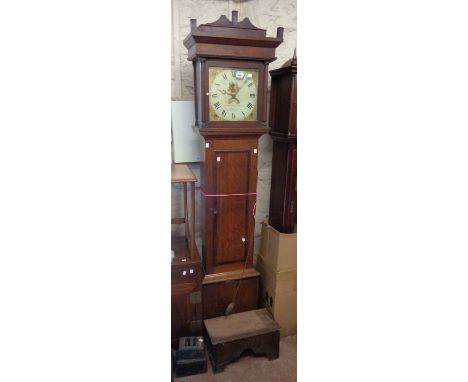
[185, 210]
[192, 234]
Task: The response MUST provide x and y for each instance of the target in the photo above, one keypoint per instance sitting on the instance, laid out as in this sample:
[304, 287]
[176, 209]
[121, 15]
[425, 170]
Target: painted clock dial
[233, 94]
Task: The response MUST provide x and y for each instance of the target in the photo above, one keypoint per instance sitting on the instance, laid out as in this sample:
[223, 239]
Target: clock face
[233, 94]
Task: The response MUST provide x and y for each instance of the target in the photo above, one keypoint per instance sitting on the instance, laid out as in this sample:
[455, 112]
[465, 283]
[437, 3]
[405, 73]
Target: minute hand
[238, 90]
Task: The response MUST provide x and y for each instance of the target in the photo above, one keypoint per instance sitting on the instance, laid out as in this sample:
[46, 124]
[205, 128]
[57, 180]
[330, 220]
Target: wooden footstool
[228, 337]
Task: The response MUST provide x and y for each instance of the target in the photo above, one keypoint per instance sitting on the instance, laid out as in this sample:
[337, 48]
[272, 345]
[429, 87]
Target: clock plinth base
[219, 290]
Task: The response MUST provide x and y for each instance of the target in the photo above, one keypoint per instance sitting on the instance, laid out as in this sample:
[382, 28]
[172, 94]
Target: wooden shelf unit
[186, 267]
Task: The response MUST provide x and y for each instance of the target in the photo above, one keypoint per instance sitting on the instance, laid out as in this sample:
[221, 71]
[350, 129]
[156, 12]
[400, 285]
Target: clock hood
[212, 40]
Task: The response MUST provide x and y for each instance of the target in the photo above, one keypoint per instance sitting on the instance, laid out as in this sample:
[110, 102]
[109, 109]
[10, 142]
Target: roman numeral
[252, 95]
[215, 95]
[224, 76]
[223, 113]
[233, 73]
[250, 106]
[217, 105]
[233, 116]
[243, 112]
[249, 85]
[217, 84]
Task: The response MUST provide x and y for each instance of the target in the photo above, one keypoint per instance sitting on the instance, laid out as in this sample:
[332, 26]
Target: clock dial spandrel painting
[233, 94]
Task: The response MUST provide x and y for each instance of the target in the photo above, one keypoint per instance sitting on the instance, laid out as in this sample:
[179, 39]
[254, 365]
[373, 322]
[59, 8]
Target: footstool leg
[272, 356]
[218, 369]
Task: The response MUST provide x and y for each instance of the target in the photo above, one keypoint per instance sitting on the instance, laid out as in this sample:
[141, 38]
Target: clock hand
[228, 93]
[233, 96]
[245, 81]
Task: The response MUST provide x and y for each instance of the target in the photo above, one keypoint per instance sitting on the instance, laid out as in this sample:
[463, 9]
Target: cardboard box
[277, 282]
[278, 292]
[284, 311]
[278, 250]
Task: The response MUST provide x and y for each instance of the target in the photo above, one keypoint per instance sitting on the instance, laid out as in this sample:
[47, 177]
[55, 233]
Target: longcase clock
[230, 63]
[283, 130]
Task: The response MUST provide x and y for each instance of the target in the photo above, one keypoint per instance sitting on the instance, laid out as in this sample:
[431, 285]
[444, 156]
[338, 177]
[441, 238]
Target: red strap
[247, 193]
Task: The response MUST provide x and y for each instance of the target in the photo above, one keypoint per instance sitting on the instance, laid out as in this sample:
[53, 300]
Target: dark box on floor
[190, 357]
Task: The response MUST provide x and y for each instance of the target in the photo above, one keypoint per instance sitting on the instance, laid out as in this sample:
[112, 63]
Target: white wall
[265, 14]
